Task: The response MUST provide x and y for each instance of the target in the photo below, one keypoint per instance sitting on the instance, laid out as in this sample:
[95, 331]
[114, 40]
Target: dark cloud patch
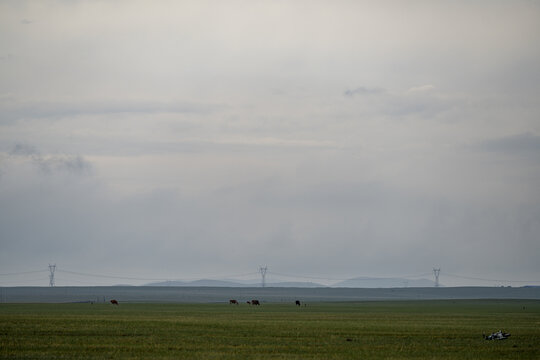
[362, 90]
[24, 150]
[48, 164]
[66, 163]
[75, 164]
[526, 143]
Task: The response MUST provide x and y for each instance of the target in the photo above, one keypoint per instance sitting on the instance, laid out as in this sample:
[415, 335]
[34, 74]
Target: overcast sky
[324, 139]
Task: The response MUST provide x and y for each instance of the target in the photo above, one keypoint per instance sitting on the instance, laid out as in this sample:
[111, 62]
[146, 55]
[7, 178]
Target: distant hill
[232, 283]
[360, 282]
[215, 283]
[368, 282]
[297, 284]
[202, 282]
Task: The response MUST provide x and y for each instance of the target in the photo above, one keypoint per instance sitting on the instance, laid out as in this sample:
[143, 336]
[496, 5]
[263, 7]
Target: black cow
[114, 302]
[297, 302]
[232, 301]
[255, 302]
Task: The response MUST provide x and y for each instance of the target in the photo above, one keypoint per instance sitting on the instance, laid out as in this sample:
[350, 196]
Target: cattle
[248, 302]
[297, 302]
[114, 302]
[255, 302]
[232, 301]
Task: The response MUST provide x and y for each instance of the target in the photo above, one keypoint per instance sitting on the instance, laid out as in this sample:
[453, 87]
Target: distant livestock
[114, 302]
[255, 302]
[232, 301]
[297, 302]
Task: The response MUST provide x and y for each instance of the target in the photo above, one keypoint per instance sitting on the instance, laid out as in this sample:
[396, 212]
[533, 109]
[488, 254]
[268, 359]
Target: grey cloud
[24, 150]
[13, 110]
[421, 89]
[421, 101]
[360, 163]
[331, 227]
[525, 143]
[423, 106]
[370, 218]
[362, 90]
[75, 164]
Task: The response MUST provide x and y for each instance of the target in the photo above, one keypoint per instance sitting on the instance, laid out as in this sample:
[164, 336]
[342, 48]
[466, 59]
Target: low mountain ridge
[371, 282]
[359, 282]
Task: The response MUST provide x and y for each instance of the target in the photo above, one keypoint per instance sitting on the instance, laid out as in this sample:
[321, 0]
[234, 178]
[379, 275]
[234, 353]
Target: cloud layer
[184, 140]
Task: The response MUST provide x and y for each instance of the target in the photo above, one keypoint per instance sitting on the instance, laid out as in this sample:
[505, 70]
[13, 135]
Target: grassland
[360, 330]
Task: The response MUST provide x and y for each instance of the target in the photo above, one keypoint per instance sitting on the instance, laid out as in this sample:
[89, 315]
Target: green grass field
[361, 330]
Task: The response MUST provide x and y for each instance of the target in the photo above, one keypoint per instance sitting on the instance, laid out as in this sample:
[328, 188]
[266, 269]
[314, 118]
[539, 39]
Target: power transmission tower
[52, 269]
[436, 273]
[262, 271]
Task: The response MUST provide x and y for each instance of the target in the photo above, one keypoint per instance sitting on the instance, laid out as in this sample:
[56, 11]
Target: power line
[111, 276]
[304, 277]
[23, 281]
[262, 271]
[235, 275]
[494, 280]
[343, 279]
[414, 276]
[23, 272]
[91, 283]
[141, 278]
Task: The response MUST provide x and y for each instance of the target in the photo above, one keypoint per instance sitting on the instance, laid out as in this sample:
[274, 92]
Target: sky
[327, 140]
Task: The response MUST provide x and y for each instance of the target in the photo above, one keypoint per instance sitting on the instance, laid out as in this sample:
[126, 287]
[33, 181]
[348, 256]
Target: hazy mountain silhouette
[359, 282]
[369, 282]
[202, 282]
[299, 284]
[233, 283]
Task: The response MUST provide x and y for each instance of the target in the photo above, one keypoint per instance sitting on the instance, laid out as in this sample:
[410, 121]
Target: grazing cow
[114, 302]
[255, 302]
[297, 302]
[232, 301]
[248, 302]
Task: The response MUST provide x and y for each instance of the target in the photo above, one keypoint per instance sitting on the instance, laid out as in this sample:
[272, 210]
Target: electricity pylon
[52, 269]
[262, 271]
[436, 273]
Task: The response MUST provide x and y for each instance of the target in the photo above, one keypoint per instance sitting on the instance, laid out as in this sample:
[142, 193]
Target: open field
[442, 329]
[207, 294]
